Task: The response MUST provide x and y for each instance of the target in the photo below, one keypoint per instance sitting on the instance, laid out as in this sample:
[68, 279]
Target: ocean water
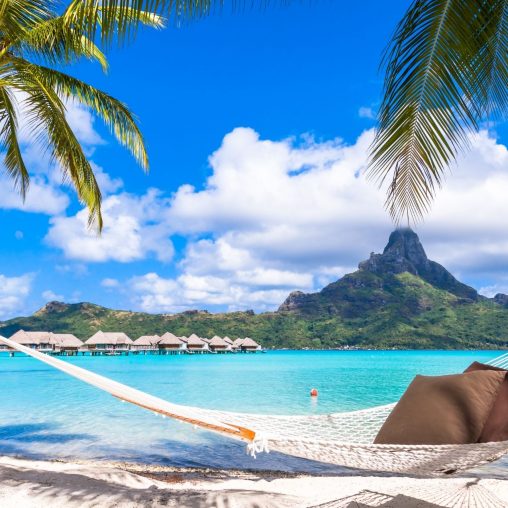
[46, 414]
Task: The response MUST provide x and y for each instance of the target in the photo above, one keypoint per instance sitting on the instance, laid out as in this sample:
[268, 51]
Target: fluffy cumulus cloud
[276, 216]
[468, 226]
[50, 296]
[13, 293]
[296, 214]
[130, 233]
[46, 194]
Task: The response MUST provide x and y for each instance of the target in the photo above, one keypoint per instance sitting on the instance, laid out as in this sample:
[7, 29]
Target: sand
[28, 483]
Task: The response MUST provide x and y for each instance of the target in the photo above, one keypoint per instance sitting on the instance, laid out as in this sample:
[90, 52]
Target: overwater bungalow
[237, 344]
[219, 345]
[35, 340]
[249, 345]
[109, 343]
[66, 343]
[145, 343]
[197, 345]
[227, 340]
[171, 344]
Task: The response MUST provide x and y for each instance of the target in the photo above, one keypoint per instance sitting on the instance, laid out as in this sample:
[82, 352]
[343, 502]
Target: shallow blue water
[45, 413]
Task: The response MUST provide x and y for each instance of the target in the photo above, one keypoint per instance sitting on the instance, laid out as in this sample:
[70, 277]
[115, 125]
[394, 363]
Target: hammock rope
[344, 439]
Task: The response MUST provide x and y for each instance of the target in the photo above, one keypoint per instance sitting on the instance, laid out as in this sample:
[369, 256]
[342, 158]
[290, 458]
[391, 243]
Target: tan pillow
[496, 426]
[442, 409]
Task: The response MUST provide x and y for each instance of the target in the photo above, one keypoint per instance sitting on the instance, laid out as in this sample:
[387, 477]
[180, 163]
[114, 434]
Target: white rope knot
[258, 445]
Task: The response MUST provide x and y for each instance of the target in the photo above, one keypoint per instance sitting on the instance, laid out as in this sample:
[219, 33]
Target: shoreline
[57, 484]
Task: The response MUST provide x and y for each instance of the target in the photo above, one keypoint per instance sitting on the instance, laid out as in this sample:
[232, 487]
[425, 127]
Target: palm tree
[446, 72]
[36, 38]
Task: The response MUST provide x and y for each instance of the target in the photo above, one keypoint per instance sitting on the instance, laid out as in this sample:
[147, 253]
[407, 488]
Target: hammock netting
[344, 439]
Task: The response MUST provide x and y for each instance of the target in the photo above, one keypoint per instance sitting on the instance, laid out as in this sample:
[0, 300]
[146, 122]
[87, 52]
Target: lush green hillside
[395, 299]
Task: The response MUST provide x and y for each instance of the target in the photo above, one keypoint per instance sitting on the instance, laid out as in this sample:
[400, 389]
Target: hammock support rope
[344, 439]
[137, 397]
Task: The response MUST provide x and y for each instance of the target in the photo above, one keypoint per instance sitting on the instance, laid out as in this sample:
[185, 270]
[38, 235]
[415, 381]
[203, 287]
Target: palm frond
[432, 99]
[55, 42]
[13, 159]
[45, 115]
[491, 64]
[115, 114]
[120, 19]
[112, 20]
[16, 16]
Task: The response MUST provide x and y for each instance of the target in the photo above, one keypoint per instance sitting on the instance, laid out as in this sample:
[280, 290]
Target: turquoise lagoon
[46, 414]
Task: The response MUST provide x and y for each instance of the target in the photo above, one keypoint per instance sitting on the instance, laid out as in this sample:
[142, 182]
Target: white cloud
[285, 215]
[131, 231]
[275, 216]
[51, 296]
[45, 193]
[110, 283]
[366, 112]
[107, 184]
[81, 121]
[286, 203]
[153, 293]
[79, 117]
[42, 197]
[13, 292]
[494, 289]
[467, 228]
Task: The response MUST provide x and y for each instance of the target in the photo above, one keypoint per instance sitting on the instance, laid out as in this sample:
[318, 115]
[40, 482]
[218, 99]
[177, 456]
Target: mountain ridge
[403, 253]
[396, 299]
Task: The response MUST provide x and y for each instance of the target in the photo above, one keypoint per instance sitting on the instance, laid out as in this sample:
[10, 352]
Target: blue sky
[257, 126]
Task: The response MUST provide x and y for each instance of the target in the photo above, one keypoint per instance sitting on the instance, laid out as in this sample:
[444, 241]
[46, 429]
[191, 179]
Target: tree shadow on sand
[469, 494]
[72, 489]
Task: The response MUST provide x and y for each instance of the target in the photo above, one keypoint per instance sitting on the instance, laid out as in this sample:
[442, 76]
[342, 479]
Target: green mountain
[398, 299]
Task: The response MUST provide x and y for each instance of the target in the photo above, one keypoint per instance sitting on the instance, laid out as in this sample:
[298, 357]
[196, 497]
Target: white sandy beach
[29, 483]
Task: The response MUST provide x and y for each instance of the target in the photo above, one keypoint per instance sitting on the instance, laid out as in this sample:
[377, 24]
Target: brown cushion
[496, 426]
[442, 409]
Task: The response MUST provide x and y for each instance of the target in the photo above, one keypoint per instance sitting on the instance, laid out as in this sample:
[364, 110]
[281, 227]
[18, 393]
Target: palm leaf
[120, 19]
[13, 159]
[114, 113]
[492, 62]
[55, 42]
[45, 115]
[434, 95]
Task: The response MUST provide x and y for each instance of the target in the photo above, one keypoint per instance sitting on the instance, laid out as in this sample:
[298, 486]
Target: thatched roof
[183, 338]
[218, 342]
[145, 340]
[228, 340]
[248, 342]
[195, 341]
[114, 338]
[65, 340]
[22, 337]
[238, 342]
[169, 339]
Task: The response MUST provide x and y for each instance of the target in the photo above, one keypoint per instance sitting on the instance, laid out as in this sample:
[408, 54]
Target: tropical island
[397, 299]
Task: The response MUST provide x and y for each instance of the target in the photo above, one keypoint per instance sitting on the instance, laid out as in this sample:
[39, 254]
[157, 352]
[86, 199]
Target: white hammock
[344, 439]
